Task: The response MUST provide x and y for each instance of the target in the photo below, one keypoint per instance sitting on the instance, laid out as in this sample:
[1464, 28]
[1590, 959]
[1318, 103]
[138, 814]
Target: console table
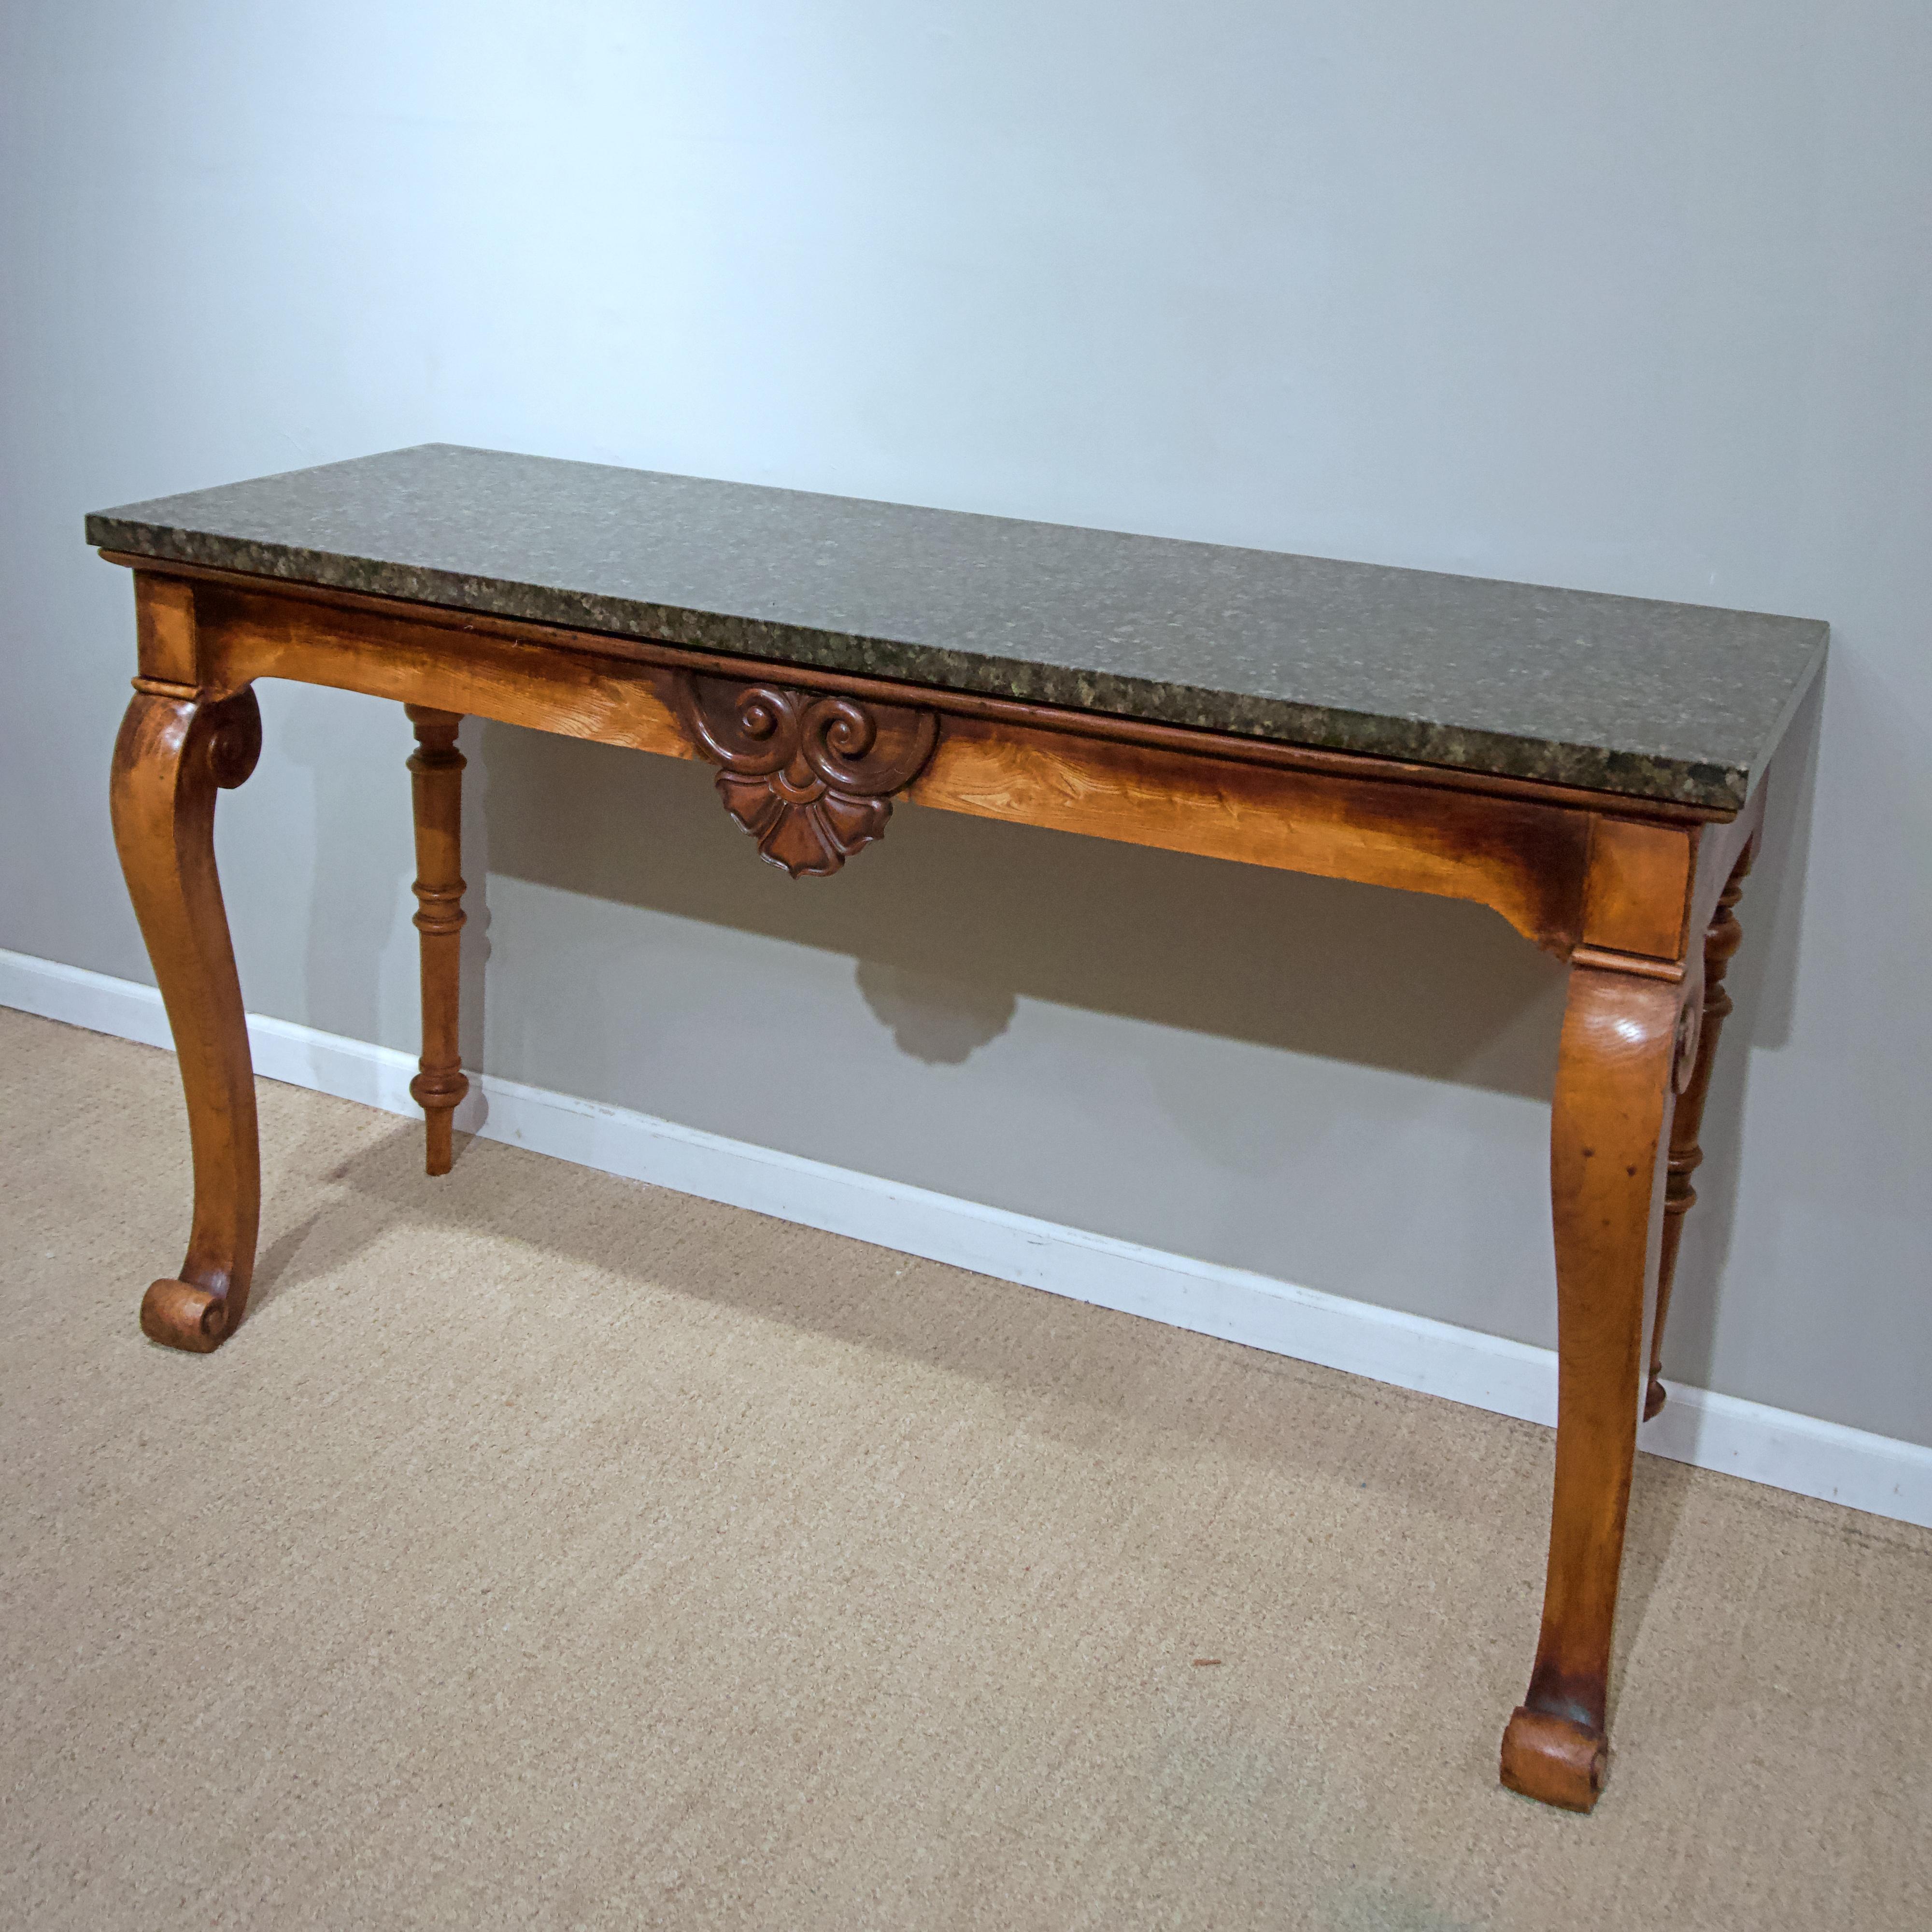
[1591, 767]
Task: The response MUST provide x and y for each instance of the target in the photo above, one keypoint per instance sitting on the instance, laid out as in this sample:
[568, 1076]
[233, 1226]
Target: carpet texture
[550, 1550]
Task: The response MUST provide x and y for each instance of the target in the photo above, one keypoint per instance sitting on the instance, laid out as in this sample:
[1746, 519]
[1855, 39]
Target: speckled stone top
[1616, 694]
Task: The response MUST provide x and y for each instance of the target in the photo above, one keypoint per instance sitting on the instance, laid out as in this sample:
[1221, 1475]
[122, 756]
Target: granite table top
[1623, 694]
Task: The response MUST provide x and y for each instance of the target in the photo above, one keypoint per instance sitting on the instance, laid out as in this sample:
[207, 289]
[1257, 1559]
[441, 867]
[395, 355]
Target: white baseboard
[1788, 1451]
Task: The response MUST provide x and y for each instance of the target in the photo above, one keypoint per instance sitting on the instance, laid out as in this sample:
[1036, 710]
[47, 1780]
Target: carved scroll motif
[809, 775]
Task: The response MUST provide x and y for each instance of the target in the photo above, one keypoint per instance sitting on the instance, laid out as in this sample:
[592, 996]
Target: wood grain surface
[811, 762]
[436, 789]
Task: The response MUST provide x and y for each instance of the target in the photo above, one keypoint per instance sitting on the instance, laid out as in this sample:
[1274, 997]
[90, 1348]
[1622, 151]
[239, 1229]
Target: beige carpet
[548, 1550]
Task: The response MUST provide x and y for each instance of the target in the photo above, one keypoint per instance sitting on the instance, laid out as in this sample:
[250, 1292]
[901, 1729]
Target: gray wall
[1632, 298]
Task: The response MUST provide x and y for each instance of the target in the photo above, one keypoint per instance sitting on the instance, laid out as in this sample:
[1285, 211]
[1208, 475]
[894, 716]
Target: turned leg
[1721, 944]
[173, 753]
[435, 768]
[1613, 1095]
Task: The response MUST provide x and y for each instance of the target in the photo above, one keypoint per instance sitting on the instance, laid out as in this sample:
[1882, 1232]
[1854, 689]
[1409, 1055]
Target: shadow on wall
[1762, 982]
[951, 920]
[940, 1021]
[353, 912]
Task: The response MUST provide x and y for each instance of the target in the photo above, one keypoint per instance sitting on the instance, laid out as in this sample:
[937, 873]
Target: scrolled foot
[1555, 1759]
[179, 1315]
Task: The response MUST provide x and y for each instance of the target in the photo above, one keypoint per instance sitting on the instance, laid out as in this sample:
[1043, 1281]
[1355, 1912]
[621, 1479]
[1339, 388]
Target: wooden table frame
[1637, 895]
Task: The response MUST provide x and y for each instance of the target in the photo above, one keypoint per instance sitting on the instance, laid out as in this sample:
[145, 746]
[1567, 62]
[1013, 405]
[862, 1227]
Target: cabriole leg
[1613, 1092]
[436, 782]
[173, 754]
[1721, 941]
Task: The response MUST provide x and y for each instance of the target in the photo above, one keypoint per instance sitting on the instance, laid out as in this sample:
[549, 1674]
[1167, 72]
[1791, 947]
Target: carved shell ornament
[809, 775]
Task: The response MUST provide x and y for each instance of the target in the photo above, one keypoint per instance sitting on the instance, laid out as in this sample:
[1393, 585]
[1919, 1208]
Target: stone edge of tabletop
[1476, 751]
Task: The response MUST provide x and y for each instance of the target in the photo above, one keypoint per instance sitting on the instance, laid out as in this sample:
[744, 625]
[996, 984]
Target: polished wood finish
[1637, 890]
[1613, 1095]
[1524, 860]
[810, 775]
[810, 762]
[1519, 848]
[174, 753]
[1722, 938]
[340, 618]
[436, 785]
